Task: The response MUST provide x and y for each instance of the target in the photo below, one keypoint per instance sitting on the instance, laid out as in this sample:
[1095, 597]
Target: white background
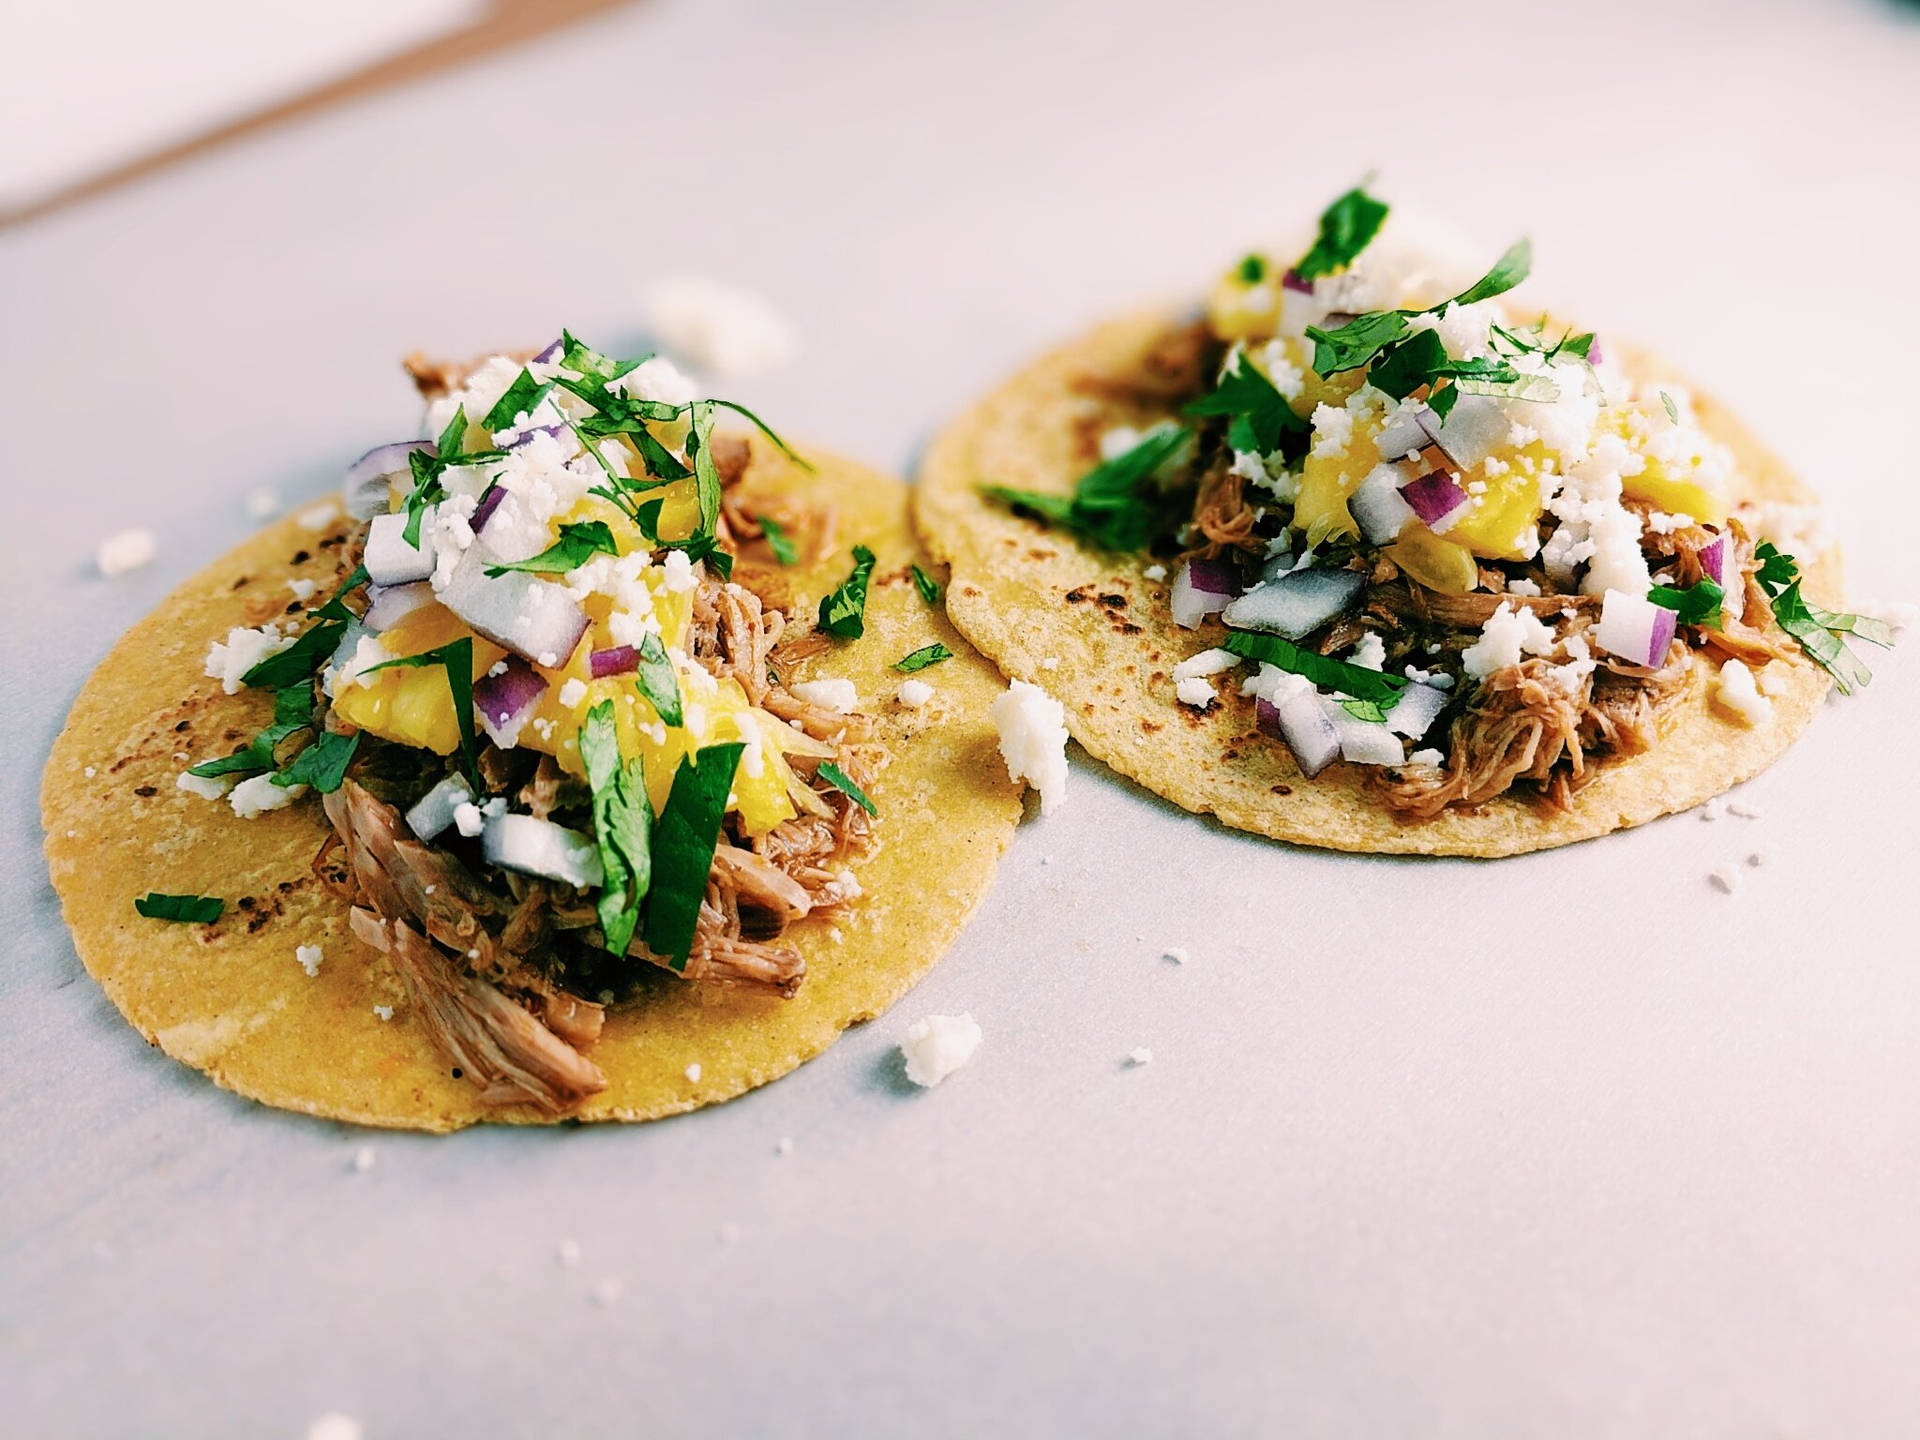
[1571, 1144]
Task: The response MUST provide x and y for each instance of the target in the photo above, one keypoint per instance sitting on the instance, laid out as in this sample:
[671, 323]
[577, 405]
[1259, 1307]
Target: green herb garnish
[684, 838]
[1818, 630]
[843, 612]
[923, 657]
[1347, 227]
[843, 782]
[194, 909]
[456, 658]
[928, 587]
[1369, 710]
[323, 764]
[577, 544]
[1252, 270]
[1354, 680]
[1119, 504]
[522, 398]
[659, 685]
[777, 541]
[1673, 411]
[315, 646]
[622, 825]
[1361, 339]
[292, 713]
[1261, 419]
[1697, 604]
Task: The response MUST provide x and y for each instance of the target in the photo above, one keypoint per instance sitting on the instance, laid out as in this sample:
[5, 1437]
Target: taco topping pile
[1461, 548]
[550, 732]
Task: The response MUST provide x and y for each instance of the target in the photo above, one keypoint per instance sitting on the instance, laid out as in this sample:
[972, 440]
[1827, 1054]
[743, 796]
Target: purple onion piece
[525, 436]
[489, 503]
[1434, 496]
[618, 660]
[1216, 576]
[550, 354]
[1661, 637]
[504, 701]
[1594, 357]
[1713, 560]
[1266, 714]
[1292, 281]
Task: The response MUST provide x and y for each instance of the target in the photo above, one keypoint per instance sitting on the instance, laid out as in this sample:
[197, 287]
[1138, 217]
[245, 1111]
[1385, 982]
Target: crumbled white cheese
[227, 661]
[309, 958]
[363, 1159]
[784, 1146]
[262, 502]
[938, 1045]
[693, 1073]
[1800, 530]
[318, 517]
[207, 787]
[836, 694]
[467, 819]
[1713, 810]
[1426, 757]
[1616, 561]
[730, 333]
[914, 693]
[1745, 809]
[1288, 378]
[1139, 1055]
[128, 550]
[658, 379]
[384, 1012]
[1772, 677]
[679, 569]
[1332, 431]
[1737, 692]
[1155, 572]
[1033, 739]
[1661, 523]
[1507, 634]
[303, 589]
[1207, 662]
[1176, 954]
[361, 667]
[573, 692]
[1194, 691]
[1725, 877]
[259, 795]
[1757, 859]
[1369, 652]
[1522, 586]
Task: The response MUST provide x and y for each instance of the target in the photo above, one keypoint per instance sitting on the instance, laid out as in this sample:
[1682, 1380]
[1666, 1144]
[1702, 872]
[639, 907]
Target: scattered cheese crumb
[1177, 954]
[938, 1045]
[573, 692]
[785, 1146]
[262, 502]
[89, 772]
[568, 1253]
[731, 333]
[467, 819]
[1737, 692]
[334, 1426]
[1194, 691]
[914, 693]
[363, 1159]
[259, 795]
[385, 1012]
[1207, 662]
[317, 517]
[836, 695]
[1033, 739]
[1140, 1055]
[1155, 572]
[1745, 809]
[309, 958]
[1725, 877]
[207, 787]
[230, 659]
[1713, 809]
[1426, 757]
[693, 1072]
[303, 589]
[1507, 634]
[128, 550]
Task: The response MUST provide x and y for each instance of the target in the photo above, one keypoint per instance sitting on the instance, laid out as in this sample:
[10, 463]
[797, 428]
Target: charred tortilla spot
[146, 792]
[300, 557]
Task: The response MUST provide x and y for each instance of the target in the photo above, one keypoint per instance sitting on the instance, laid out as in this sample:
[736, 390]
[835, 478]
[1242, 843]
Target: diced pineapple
[413, 705]
[1244, 309]
[1435, 561]
[1502, 524]
[1677, 494]
[1326, 482]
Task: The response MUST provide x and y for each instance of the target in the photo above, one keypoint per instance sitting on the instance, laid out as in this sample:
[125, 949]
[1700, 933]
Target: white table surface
[1570, 1144]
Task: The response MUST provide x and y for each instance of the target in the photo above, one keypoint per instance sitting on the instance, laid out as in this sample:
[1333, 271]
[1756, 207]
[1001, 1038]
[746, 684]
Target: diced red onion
[1378, 507]
[1474, 429]
[483, 512]
[1437, 499]
[525, 436]
[618, 660]
[389, 559]
[1634, 628]
[368, 487]
[1713, 560]
[504, 701]
[433, 811]
[1200, 589]
[1295, 604]
[1303, 724]
[1292, 281]
[1717, 561]
[1413, 714]
[1594, 357]
[539, 847]
[1363, 742]
[387, 605]
[536, 619]
[551, 353]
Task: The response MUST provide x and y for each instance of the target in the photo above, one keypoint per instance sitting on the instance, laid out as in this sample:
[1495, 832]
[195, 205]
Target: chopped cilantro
[292, 713]
[777, 541]
[923, 657]
[622, 824]
[522, 397]
[658, 683]
[1818, 630]
[1252, 270]
[1369, 710]
[590, 364]
[456, 658]
[1673, 411]
[1119, 504]
[843, 782]
[577, 544]
[705, 474]
[1697, 604]
[1262, 420]
[315, 646]
[1361, 339]
[1347, 227]
[684, 838]
[194, 909]
[1337, 675]
[928, 587]
[429, 470]
[323, 764]
[843, 611]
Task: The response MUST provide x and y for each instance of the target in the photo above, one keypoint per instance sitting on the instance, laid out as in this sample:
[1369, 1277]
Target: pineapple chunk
[1243, 309]
[1326, 482]
[1502, 525]
[1435, 561]
[1677, 493]
[412, 705]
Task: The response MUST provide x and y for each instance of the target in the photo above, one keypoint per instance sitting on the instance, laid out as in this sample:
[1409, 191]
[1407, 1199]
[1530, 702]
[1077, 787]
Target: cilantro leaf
[928, 587]
[923, 657]
[1119, 504]
[1817, 629]
[1697, 604]
[1369, 710]
[1508, 271]
[706, 475]
[292, 713]
[323, 764]
[659, 685]
[456, 658]
[1252, 270]
[315, 646]
[622, 826]
[1354, 680]
[843, 782]
[684, 838]
[1347, 227]
[194, 909]
[1262, 420]
[843, 611]
[777, 540]
[1673, 411]
[577, 544]
[589, 363]
[521, 398]
[1358, 341]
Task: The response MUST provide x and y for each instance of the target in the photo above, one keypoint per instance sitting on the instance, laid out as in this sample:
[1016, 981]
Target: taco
[564, 772]
[1371, 557]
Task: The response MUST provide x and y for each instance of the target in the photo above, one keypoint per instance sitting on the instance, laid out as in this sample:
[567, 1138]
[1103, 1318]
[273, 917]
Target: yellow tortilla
[231, 1000]
[1108, 654]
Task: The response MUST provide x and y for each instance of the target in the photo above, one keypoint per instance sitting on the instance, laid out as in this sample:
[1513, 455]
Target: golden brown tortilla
[230, 999]
[1090, 628]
